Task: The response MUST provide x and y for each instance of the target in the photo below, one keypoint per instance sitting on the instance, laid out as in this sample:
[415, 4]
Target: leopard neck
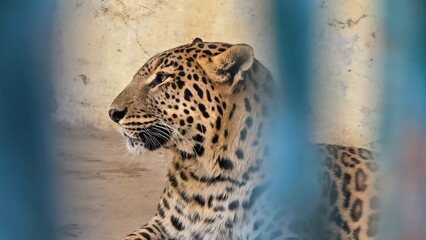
[233, 145]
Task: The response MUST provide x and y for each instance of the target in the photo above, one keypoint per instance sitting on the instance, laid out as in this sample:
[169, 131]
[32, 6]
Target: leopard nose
[116, 115]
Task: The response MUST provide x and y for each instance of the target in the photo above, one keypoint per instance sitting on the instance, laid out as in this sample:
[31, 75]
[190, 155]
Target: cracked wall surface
[101, 44]
[347, 87]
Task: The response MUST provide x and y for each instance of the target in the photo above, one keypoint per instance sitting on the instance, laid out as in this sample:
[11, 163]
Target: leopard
[208, 103]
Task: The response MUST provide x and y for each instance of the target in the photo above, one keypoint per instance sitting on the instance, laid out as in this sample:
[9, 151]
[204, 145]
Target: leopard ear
[228, 66]
[196, 40]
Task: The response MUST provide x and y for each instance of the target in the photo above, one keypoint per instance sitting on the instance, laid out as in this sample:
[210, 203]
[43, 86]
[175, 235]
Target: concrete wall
[101, 44]
[347, 85]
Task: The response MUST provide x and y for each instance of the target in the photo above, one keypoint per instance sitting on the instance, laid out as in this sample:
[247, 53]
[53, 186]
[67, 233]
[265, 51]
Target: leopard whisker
[176, 141]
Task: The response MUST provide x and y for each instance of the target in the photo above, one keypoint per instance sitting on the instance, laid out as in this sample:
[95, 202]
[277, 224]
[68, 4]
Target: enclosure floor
[105, 193]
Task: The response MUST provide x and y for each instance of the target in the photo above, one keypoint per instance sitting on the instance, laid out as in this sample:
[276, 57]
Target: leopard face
[178, 95]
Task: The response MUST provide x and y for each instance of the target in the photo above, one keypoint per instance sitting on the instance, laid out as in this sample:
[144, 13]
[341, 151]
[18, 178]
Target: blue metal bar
[26, 205]
[405, 120]
[291, 149]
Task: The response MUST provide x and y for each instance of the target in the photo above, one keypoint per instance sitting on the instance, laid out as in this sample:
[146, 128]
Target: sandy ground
[106, 192]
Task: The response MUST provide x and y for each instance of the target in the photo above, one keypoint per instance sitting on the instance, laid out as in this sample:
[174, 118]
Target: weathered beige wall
[101, 44]
[347, 87]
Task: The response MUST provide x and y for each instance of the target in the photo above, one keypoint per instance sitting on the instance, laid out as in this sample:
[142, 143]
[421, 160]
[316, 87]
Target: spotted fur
[207, 103]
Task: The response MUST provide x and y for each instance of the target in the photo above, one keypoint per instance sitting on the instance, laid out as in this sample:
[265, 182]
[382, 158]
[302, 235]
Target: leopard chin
[151, 138]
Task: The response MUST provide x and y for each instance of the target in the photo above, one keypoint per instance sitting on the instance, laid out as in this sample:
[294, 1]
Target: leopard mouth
[151, 138]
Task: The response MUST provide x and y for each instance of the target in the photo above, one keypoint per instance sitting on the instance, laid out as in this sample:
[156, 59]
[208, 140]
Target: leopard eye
[159, 78]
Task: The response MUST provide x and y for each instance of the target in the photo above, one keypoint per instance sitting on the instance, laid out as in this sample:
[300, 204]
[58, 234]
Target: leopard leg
[153, 230]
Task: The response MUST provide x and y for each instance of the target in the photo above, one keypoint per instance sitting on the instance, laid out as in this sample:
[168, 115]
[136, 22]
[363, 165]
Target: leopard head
[178, 97]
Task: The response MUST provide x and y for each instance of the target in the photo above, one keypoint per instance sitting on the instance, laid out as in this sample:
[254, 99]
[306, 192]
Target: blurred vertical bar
[405, 120]
[293, 23]
[26, 206]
